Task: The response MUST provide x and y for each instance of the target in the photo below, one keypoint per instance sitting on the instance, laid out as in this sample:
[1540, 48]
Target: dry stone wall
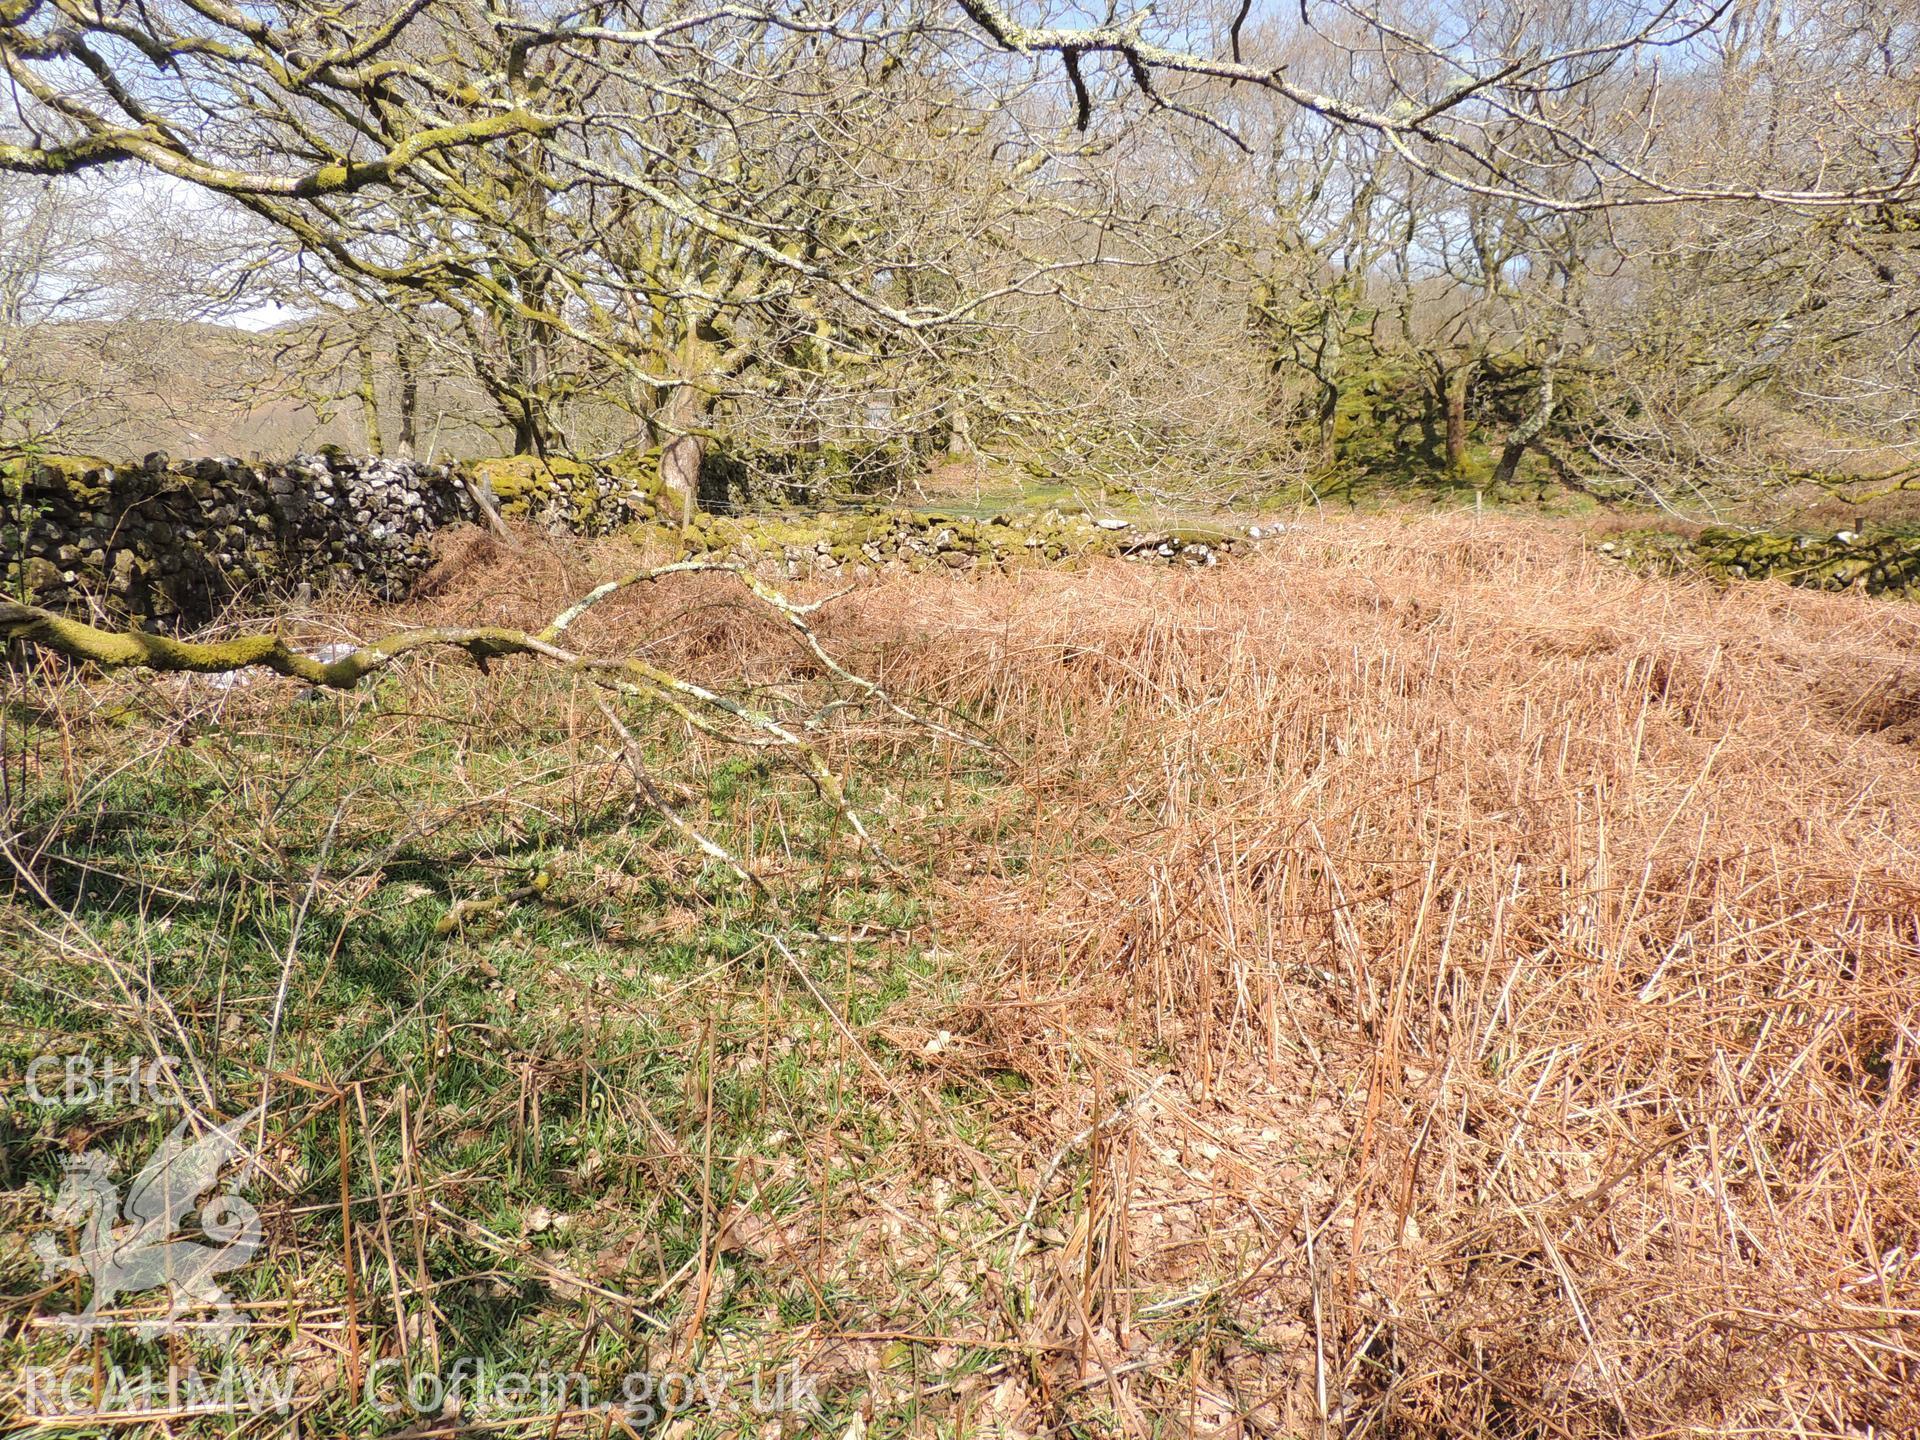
[169, 545]
[1884, 562]
[172, 545]
[867, 542]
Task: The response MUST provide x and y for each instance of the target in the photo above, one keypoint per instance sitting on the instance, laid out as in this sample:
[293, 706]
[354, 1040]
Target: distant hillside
[207, 389]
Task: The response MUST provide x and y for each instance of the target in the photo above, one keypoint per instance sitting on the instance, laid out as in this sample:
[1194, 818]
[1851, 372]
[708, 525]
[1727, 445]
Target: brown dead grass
[1464, 989]
[1538, 942]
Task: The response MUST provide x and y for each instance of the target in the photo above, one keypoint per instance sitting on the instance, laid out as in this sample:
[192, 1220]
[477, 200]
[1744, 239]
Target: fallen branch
[703, 709]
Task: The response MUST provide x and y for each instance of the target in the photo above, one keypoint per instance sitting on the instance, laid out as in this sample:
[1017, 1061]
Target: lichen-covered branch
[703, 709]
[79, 641]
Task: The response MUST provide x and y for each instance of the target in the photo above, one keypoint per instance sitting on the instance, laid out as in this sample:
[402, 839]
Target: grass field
[1416, 979]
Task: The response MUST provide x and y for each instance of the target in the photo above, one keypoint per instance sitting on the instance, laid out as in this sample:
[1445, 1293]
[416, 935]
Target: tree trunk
[1432, 403]
[1327, 371]
[370, 402]
[680, 462]
[406, 363]
[1528, 430]
[683, 417]
[1454, 389]
[527, 436]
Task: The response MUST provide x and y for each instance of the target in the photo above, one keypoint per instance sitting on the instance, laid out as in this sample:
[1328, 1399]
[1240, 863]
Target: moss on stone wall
[863, 542]
[168, 544]
[84, 478]
[564, 494]
[1885, 562]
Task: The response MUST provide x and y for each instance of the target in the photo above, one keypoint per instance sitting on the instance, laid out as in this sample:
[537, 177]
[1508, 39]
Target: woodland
[916, 719]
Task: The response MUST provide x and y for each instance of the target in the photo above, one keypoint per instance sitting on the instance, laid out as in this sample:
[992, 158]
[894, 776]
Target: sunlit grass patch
[565, 1070]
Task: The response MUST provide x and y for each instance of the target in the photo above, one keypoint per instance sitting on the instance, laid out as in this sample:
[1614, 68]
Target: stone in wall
[866, 542]
[171, 544]
[1886, 562]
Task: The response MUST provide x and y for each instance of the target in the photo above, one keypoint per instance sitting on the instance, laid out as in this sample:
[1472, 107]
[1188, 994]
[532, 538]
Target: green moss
[62, 472]
[638, 471]
[516, 476]
[1887, 563]
[523, 484]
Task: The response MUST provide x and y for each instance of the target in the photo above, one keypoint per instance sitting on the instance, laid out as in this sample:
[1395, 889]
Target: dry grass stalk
[1552, 933]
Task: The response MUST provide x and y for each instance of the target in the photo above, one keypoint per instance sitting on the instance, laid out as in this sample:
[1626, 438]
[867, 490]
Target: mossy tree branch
[711, 713]
[88, 644]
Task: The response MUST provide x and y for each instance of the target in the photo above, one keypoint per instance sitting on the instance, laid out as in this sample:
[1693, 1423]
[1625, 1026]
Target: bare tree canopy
[294, 101]
[916, 223]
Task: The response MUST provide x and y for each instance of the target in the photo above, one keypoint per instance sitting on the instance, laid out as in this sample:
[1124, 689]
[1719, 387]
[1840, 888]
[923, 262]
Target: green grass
[552, 1109]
